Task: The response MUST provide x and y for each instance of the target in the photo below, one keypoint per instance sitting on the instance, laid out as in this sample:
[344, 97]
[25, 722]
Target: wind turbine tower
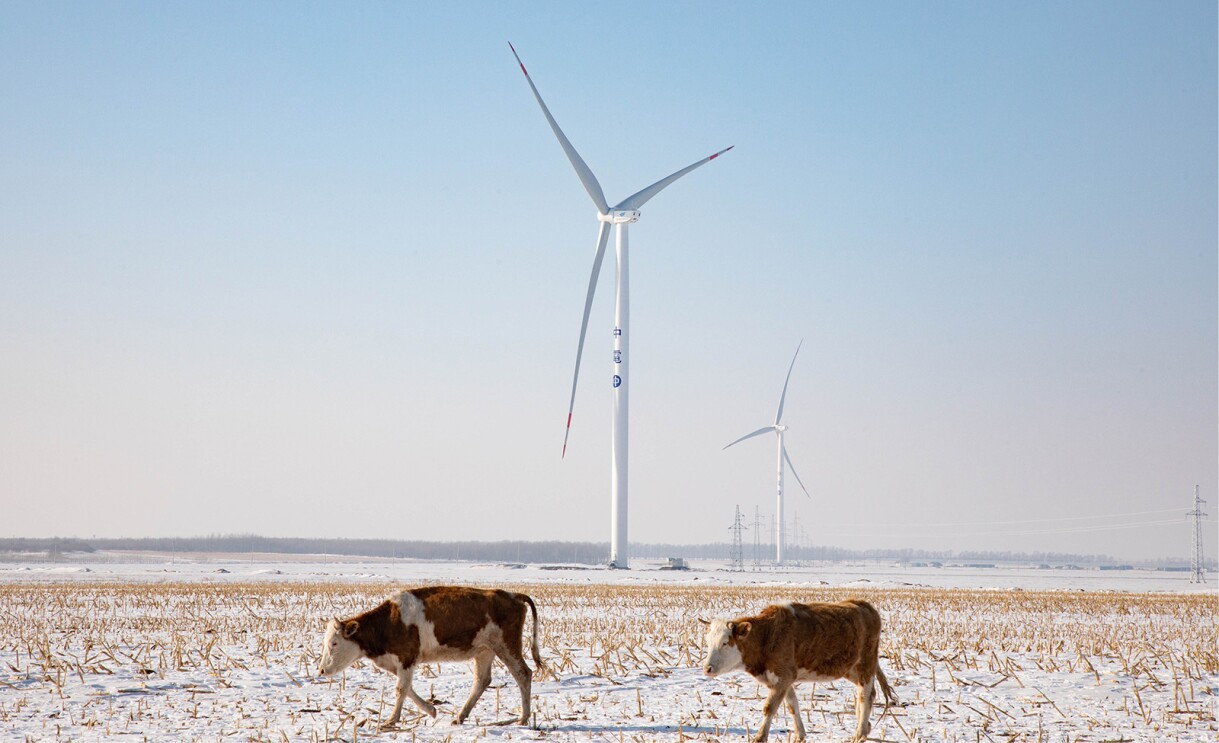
[620, 216]
[1197, 572]
[779, 429]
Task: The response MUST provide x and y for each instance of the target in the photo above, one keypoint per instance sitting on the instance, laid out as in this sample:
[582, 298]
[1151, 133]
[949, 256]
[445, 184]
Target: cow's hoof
[458, 720]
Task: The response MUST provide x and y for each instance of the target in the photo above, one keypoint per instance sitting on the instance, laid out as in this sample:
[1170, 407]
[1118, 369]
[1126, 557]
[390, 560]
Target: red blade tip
[518, 59]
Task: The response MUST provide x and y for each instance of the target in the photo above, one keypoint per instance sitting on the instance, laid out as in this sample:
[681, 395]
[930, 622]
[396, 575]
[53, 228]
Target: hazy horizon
[315, 268]
[589, 552]
[533, 552]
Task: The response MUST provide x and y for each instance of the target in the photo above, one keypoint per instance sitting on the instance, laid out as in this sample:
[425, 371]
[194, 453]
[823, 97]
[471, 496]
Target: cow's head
[723, 649]
[338, 649]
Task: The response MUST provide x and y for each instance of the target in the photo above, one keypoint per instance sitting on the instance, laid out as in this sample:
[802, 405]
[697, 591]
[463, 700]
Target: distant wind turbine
[620, 215]
[779, 430]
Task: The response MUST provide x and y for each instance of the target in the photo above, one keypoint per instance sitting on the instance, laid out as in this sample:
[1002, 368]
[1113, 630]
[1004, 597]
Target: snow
[165, 648]
[164, 567]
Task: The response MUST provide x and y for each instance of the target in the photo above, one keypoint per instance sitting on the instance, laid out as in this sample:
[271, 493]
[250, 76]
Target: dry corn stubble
[195, 661]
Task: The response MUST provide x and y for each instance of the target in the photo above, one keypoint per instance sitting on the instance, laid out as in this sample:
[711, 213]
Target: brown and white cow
[788, 643]
[437, 624]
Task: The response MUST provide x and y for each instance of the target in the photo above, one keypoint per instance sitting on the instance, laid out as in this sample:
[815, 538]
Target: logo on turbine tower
[617, 381]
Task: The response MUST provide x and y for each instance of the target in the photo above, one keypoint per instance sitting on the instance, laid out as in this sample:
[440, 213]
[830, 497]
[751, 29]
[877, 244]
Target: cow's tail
[874, 615]
[890, 697]
[534, 650]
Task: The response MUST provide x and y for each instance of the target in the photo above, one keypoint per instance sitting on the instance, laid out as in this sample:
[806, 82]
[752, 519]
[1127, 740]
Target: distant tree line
[581, 553]
[50, 545]
[722, 551]
[589, 553]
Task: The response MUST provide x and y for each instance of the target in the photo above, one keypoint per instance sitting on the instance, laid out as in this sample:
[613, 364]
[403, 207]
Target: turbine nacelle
[620, 216]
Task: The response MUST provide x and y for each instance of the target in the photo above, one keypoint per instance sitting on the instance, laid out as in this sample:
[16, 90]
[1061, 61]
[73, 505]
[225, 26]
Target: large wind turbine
[620, 216]
[779, 430]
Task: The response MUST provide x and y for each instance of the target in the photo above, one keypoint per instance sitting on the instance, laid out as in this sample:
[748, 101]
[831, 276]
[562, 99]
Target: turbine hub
[780, 429]
[620, 216]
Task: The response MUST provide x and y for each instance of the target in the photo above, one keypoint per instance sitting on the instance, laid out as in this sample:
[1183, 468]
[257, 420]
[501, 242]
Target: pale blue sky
[317, 269]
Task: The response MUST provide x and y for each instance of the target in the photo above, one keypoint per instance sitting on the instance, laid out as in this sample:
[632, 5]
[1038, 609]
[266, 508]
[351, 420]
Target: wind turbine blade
[637, 200]
[586, 175]
[779, 415]
[758, 432]
[602, 238]
[793, 469]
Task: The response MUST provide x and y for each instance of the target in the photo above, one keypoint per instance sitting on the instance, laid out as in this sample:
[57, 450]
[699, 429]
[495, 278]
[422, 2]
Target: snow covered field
[170, 648]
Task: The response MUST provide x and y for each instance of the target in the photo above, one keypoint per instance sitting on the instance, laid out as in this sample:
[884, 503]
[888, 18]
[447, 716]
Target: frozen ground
[170, 648]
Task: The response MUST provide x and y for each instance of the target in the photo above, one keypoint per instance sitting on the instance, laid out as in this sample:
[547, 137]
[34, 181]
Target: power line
[1082, 529]
[1006, 522]
[1049, 518]
[905, 529]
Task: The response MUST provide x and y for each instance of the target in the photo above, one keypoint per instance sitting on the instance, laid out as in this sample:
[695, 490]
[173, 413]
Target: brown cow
[433, 624]
[788, 643]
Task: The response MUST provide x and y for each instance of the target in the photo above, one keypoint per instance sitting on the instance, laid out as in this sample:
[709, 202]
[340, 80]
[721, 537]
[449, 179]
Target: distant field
[234, 660]
[162, 567]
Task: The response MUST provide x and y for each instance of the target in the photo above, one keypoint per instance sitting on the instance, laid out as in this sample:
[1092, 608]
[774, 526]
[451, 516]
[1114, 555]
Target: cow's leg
[793, 706]
[482, 679]
[403, 683]
[777, 694]
[406, 690]
[521, 673]
[863, 709]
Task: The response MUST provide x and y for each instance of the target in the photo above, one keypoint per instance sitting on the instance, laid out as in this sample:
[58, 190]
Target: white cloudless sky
[317, 270]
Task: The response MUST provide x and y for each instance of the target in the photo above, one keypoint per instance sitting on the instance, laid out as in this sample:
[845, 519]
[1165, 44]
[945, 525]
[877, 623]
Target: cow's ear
[740, 629]
[350, 628]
